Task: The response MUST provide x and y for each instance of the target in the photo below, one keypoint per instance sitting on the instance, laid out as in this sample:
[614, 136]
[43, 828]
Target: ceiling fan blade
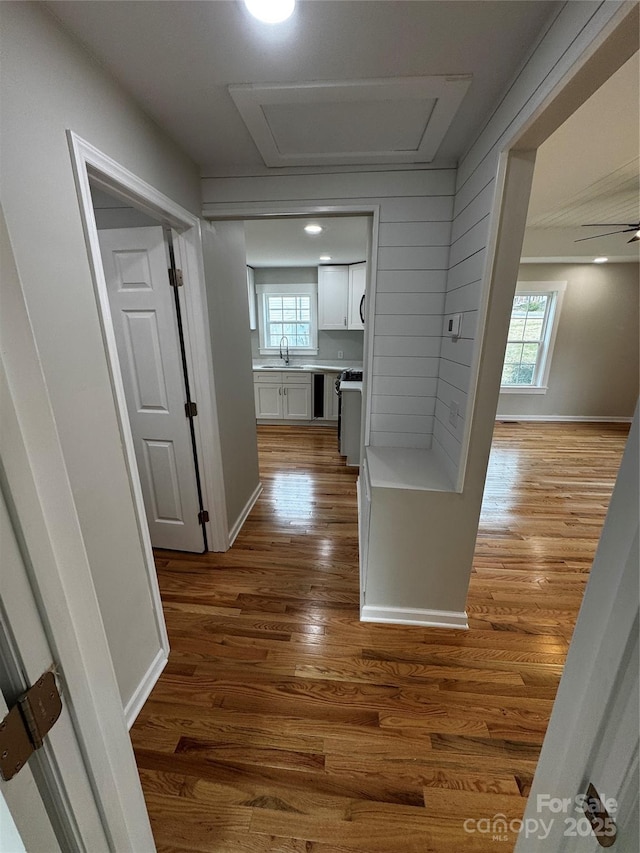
[608, 234]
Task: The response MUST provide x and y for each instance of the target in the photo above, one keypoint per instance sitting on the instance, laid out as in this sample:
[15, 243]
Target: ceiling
[179, 58]
[193, 66]
[588, 171]
[284, 243]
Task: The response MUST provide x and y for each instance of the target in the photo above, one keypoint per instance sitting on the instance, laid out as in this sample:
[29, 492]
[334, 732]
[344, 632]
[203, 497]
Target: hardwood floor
[283, 724]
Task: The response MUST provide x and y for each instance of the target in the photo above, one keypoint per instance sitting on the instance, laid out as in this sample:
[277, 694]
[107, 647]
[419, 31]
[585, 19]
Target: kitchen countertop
[407, 468]
[308, 367]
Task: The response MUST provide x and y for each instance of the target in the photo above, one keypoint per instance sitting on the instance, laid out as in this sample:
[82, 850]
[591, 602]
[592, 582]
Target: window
[288, 310]
[290, 316]
[532, 331]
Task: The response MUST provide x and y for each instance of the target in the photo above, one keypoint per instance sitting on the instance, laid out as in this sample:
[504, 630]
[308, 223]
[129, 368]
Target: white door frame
[269, 210]
[60, 576]
[89, 162]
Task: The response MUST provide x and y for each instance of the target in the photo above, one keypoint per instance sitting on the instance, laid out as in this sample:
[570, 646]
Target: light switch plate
[454, 325]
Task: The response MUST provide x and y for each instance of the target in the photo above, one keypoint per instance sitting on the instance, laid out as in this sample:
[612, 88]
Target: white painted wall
[49, 83]
[412, 258]
[567, 35]
[594, 370]
[226, 280]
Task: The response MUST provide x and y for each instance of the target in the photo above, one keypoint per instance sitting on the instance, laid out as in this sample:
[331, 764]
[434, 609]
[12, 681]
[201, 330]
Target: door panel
[141, 299]
[268, 400]
[297, 402]
[144, 361]
[161, 469]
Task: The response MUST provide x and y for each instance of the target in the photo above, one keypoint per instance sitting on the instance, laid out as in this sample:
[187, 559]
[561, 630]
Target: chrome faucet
[286, 343]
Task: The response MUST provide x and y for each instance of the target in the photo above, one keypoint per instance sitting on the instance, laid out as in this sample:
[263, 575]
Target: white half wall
[49, 84]
[594, 370]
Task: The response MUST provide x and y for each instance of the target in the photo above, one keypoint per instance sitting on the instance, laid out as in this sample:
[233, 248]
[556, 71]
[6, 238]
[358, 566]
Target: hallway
[282, 723]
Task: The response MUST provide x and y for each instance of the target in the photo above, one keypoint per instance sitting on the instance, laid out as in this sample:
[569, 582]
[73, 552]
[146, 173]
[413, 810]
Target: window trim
[557, 288]
[310, 290]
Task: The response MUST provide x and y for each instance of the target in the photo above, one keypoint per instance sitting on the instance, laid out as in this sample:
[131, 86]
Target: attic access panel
[399, 120]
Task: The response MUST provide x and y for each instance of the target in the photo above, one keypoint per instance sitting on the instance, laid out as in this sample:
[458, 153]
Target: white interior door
[57, 771]
[143, 313]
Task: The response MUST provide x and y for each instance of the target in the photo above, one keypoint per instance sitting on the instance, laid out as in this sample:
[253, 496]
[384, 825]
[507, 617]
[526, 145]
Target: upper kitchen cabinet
[333, 297]
[341, 296]
[357, 286]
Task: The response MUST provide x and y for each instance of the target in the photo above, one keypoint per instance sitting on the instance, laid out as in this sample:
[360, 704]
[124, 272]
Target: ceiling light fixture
[600, 260]
[313, 229]
[325, 257]
[271, 11]
[635, 237]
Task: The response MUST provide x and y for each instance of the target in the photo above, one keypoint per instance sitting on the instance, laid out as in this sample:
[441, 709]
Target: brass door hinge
[191, 409]
[203, 516]
[26, 725]
[175, 277]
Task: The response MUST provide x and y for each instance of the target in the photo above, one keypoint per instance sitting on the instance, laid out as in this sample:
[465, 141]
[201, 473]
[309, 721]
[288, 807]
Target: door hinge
[175, 277]
[203, 517]
[191, 409]
[26, 725]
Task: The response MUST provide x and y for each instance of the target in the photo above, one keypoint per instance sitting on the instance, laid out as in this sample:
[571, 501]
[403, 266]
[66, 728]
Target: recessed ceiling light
[271, 11]
[600, 260]
[325, 257]
[313, 229]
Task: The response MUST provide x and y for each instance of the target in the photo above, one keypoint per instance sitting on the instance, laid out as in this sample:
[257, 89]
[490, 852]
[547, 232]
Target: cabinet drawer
[269, 376]
[296, 378]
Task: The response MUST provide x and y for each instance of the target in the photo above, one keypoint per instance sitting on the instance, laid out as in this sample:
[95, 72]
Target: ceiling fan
[626, 228]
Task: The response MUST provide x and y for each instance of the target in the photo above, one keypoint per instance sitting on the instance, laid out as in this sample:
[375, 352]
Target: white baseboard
[408, 616]
[141, 693]
[566, 419]
[237, 527]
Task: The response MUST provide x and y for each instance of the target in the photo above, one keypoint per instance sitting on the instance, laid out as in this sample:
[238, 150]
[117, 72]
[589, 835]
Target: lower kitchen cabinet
[282, 395]
[330, 411]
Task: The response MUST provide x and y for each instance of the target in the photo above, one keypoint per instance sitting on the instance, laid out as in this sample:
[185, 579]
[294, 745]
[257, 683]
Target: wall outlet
[454, 408]
[340, 353]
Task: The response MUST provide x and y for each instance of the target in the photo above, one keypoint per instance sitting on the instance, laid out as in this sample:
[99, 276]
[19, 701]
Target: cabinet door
[268, 397]
[297, 402]
[330, 397]
[333, 297]
[357, 286]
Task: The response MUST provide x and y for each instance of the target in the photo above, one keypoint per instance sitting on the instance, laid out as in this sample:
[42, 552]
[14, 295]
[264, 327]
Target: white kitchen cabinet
[330, 409]
[280, 395]
[333, 297]
[350, 421]
[357, 287]
[296, 402]
[268, 397]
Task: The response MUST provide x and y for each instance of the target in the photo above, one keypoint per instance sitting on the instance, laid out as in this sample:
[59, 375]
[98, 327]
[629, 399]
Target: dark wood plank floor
[283, 724]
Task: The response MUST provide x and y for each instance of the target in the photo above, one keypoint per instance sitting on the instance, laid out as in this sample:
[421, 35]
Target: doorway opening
[309, 280]
[142, 278]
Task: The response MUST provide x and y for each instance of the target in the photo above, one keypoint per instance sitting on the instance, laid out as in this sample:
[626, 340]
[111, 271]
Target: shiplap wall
[564, 37]
[413, 256]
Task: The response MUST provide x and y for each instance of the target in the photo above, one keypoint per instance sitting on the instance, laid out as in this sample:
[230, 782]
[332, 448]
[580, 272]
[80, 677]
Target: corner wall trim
[408, 616]
[143, 690]
[237, 527]
[587, 419]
